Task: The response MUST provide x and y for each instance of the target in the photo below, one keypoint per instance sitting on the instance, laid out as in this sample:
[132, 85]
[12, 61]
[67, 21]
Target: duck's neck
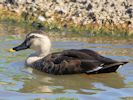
[43, 51]
[39, 54]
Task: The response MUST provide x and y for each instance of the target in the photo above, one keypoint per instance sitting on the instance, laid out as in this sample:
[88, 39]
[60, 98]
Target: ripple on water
[17, 81]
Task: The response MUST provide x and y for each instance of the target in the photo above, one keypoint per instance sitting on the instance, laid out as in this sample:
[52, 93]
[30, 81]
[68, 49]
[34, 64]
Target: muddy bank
[93, 17]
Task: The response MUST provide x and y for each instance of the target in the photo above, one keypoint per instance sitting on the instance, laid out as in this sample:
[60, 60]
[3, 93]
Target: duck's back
[76, 61]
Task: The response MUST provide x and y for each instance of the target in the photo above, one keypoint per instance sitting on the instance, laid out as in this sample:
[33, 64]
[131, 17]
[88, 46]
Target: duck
[71, 61]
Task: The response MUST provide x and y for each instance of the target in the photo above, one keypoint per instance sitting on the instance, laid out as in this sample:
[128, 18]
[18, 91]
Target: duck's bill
[22, 46]
[11, 50]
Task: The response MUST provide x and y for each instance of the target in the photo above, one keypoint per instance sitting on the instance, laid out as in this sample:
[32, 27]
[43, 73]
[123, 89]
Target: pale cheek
[35, 45]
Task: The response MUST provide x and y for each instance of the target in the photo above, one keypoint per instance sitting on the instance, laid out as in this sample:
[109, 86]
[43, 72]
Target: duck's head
[36, 41]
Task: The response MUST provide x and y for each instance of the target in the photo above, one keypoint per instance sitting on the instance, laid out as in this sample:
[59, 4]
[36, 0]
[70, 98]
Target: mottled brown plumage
[65, 62]
[76, 61]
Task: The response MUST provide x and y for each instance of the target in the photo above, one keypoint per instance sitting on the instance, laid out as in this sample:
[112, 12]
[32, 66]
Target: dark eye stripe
[31, 37]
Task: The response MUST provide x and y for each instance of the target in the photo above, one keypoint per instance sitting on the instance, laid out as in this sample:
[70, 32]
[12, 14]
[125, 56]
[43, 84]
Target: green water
[18, 82]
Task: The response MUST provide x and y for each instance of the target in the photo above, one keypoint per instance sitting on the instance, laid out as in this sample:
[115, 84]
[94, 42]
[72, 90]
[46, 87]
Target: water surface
[18, 82]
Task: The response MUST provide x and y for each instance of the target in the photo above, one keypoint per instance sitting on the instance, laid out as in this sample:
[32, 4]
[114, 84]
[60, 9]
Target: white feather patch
[96, 69]
[93, 70]
[120, 66]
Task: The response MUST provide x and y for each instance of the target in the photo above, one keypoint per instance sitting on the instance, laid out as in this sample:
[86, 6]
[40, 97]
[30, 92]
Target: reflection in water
[73, 83]
[25, 84]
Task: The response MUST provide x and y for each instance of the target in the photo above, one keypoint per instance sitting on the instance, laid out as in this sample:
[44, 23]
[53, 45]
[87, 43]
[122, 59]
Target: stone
[41, 18]
[28, 1]
[2, 1]
[1, 6]
[48, 13]
[73, 0]
[80, 12]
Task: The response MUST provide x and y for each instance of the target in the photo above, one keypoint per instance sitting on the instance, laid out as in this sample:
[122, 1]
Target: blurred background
[105, 26]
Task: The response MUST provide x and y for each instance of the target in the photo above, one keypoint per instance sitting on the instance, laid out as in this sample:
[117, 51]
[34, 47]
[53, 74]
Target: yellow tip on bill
[11, 50]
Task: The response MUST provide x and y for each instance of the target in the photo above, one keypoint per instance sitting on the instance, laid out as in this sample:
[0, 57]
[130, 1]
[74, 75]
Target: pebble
[80, 12]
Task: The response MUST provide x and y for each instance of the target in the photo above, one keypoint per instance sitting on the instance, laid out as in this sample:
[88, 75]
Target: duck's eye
[33, 36]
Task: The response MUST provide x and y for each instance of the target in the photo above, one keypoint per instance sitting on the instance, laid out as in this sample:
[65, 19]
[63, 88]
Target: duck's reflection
[47, 83]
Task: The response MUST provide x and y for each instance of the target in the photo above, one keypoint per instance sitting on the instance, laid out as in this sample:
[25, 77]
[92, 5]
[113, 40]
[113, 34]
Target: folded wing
[76, 61]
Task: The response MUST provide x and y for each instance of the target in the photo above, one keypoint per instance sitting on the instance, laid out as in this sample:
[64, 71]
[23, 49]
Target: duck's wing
[108, 64]
[72, 62]
[92, 62]
[98, 57]
[72, 66]
[66, 62]
[108, 68]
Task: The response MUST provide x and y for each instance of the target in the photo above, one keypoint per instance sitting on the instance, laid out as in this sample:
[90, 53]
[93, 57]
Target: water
[17, 82]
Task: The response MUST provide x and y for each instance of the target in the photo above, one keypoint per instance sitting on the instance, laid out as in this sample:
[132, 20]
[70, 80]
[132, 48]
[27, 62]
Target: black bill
[24, 45]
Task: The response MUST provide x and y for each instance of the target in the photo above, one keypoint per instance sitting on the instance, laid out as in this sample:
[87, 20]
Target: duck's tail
[109, 68]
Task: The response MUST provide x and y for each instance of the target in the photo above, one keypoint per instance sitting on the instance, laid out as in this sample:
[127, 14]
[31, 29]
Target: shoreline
[96, 20]
[75, 32]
